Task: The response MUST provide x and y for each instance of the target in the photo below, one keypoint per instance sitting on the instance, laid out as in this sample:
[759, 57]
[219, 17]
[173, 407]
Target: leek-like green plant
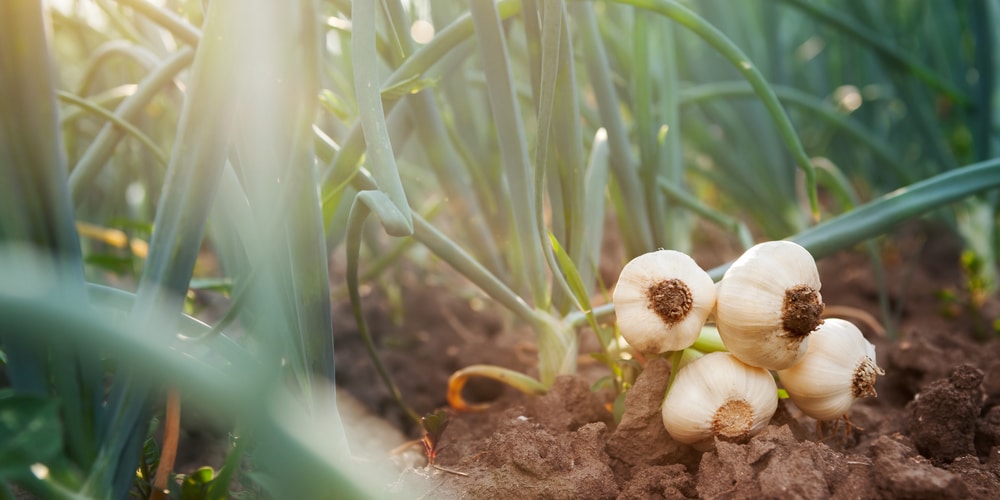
[261, 136]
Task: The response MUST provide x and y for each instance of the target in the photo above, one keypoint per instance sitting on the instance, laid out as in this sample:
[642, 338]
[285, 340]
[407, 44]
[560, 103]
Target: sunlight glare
[422, 31]
[848, 98]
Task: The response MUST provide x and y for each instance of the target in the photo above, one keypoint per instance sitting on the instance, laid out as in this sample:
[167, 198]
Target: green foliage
[30, 432]
[249, 141]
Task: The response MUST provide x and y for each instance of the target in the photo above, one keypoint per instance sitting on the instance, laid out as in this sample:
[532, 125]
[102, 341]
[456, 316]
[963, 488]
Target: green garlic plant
[257, 139]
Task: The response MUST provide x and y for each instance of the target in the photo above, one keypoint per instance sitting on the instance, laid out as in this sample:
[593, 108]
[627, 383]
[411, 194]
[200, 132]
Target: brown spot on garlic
[662, 300]
[863, 381]
[801, 311]
[671, 300]
[733, 420]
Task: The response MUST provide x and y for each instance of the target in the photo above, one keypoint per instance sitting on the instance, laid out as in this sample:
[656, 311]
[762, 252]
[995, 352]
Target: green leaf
[108, 262]
[569, 269]
[408, 86]
[224, 285]
[30, 432]
[196, 484]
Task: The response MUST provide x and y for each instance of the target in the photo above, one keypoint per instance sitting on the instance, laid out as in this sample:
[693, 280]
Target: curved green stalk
[448, 167]
[741, 62]
[103, 112]
[141, 55]
[831, 176]
[360, 209]
[381, 159]
[169, 21]
[883, 214]
[515, 379]
[878, 44]
[100, 150]
[345, 163]
[789, 95]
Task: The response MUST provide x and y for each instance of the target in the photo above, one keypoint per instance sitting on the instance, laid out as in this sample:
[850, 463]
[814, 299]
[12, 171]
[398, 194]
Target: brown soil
[934, 431]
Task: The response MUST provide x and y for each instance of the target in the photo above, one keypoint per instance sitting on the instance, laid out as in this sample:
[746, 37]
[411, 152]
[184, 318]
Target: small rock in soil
[901, 473]
[942, 417]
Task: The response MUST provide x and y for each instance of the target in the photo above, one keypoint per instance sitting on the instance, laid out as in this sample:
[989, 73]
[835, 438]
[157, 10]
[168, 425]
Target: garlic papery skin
[768, 303]
[661, 301]
[718, 396]
[838, 368]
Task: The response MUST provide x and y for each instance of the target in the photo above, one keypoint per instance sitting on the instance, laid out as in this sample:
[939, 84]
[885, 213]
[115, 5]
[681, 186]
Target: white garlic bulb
[768, 303]
[662, 299]
[717, 395]
[838, 368]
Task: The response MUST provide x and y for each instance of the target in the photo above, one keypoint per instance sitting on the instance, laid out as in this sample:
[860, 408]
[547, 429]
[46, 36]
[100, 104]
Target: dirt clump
[640, 440]
[933, 431]
[942, 418]
[525, 459]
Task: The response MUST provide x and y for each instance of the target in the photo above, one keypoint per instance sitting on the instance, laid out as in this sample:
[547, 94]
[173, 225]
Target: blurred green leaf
[224, 285]
[196, 484]
[30, 432]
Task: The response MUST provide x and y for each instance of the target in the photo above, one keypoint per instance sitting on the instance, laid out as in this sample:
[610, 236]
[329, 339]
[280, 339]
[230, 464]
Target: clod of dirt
[568, 405]
[901, 473]
[640, 439]
[942, 417]
[982, 480]
[660, 481]
[524, 459]
[988, 432]
[776, 465]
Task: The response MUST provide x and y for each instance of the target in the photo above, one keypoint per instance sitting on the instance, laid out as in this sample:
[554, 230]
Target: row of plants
[153, 151]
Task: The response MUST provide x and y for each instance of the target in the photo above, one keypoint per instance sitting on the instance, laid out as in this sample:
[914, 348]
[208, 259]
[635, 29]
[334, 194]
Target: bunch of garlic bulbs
[767, 310]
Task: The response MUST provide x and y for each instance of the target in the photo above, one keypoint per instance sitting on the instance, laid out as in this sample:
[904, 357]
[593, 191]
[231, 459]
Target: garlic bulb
[768, 303]
[717, 395]
[662, 299]
[838, 368]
